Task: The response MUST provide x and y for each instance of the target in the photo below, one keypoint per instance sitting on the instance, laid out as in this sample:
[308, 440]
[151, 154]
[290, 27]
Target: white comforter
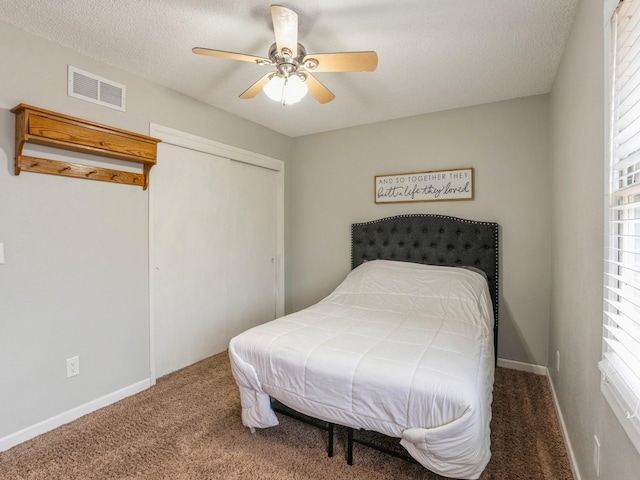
[399, 348]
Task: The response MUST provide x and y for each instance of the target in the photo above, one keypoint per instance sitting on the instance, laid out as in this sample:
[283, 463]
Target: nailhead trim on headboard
[432, 240]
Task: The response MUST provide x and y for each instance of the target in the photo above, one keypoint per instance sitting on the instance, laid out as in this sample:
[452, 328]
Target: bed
[404, 346]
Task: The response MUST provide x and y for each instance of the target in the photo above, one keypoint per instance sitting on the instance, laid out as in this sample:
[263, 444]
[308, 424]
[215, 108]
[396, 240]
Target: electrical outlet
[596, 455]
[557, 361]
[73, 366]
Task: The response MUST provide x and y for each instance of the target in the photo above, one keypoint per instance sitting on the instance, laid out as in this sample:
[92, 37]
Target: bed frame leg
[321, 424]
[349, 446]
[330, 440]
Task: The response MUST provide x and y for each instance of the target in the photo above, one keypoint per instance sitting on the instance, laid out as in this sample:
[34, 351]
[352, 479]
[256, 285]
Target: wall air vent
[95, 89]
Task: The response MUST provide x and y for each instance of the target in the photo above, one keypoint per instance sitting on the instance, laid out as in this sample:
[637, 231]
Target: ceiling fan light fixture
[273, 89]
[294, 90]
[286, 90]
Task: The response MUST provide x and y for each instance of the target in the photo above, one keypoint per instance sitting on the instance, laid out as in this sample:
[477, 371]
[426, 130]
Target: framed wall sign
[433, 186]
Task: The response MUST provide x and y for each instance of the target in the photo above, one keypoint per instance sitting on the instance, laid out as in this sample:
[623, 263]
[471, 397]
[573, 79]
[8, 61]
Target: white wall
[577, 118]
[75, 280]
[331, 186]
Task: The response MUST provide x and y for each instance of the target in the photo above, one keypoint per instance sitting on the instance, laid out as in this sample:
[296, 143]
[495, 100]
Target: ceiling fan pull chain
[284, 87]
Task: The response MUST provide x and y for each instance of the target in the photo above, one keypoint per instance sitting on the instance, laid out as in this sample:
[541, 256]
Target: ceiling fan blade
[285, 27]
[317, 90]
[231, 56]
[342, 62]
[256, 88]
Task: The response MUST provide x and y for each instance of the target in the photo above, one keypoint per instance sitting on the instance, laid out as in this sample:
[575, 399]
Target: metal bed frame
[322, 425]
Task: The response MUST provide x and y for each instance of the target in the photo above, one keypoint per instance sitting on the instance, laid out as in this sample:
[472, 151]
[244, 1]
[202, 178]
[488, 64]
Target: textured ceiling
[433, 54]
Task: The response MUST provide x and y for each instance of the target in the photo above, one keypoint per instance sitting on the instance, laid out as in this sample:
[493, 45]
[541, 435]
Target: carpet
[188, 427]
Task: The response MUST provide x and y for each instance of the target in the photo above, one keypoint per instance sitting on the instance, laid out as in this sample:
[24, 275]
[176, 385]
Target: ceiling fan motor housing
[284, 62]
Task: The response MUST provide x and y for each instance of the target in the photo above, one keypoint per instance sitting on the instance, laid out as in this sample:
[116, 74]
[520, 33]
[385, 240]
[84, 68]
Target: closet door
[253, 202]
[190, 244]
[216, 234]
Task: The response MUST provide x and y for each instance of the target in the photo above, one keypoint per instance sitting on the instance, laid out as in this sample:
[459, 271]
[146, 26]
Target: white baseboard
[49, 424]
[525, 367]
[563, 427]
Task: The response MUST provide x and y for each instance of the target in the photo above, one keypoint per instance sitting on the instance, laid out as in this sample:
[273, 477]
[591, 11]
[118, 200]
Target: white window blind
[620, 364]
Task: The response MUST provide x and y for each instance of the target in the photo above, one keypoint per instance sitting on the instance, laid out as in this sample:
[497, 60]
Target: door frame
[187, 140]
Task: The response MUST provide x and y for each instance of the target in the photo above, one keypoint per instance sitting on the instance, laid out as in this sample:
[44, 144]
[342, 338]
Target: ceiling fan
[294, 67]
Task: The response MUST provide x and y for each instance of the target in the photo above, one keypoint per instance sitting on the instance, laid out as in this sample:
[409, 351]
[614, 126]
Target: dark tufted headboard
[431, 240]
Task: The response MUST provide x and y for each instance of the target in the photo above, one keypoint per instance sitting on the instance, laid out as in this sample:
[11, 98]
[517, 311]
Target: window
[620, 364]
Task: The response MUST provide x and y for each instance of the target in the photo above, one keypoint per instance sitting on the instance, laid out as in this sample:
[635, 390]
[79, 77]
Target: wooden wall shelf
[51, 129]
